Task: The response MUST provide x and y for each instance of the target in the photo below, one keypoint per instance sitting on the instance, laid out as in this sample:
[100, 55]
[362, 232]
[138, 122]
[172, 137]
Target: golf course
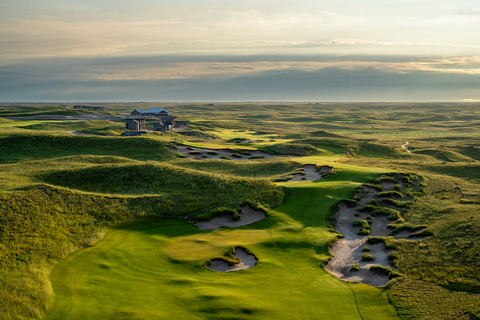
[98, 226]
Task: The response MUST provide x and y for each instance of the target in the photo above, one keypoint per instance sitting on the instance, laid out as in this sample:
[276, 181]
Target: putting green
[154, 269]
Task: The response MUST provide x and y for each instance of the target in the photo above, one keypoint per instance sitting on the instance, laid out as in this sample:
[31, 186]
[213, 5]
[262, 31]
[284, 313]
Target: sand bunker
[248, 216]
[247, 261]
[312, 174]
[204, 154]
[349, 250]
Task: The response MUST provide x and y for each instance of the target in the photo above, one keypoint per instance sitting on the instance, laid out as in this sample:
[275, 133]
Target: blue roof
[151, 110]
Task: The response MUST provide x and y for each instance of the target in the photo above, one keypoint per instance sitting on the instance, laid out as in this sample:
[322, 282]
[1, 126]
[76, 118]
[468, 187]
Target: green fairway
[154, 269]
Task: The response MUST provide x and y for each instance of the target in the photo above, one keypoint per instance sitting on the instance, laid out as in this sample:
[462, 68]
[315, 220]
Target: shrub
[397, 187]
[374, 186]
[366, 249]
[375, 211]
[354, 267]
[390, 194]
[195, 152]
[225, 158]
[350, 203]
[212, 153]
[367, 208]
[386, 178]
[236, 155]
[367, 257]
[386, 271]
[365, 226]
[236, 216]
[397, 203]
[257, 157]
[244, 152]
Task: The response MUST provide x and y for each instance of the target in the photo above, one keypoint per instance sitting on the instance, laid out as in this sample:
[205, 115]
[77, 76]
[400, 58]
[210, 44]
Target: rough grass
[29, 111]
[273, 168]
[422, 300]
[90, 126]
[167, 180]
[300, 149]
[33, 146]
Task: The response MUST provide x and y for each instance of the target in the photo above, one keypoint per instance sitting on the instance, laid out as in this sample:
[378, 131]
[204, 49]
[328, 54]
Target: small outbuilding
[135, 124]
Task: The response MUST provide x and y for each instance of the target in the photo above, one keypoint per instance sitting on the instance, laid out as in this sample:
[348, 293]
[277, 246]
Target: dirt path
[248, 216]
[404, 146]
[247, 261]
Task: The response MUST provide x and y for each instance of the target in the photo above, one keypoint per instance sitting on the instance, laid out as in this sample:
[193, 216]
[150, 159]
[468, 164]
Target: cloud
[328, 84]
[192, 66]
[468, 12]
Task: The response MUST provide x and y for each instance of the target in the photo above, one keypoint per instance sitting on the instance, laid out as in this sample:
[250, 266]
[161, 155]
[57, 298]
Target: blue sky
[239, 51]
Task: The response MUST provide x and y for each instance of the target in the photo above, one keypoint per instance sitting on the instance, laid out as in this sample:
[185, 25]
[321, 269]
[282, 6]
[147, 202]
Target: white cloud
[470, 11]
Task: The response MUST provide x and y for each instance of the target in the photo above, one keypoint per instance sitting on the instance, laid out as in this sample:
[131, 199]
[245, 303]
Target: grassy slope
[34, 146]
[98, 127]
[141, 264]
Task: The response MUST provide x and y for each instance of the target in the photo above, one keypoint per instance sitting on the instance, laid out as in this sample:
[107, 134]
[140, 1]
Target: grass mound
[373, 150]
[445, 155]
[52, 146]
[24, 111]
[273, 167]
[2, 120]
[301, 149]
[142, 178]
[89, 126]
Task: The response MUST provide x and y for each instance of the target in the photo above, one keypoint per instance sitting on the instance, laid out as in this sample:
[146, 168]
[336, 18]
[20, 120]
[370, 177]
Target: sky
[221, 50]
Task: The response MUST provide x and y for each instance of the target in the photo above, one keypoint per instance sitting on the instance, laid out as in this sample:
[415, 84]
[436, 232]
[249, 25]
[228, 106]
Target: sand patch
[349, 250]
[247, 261]
[402, 233]
[204, 154]
[248, 216]
[311, 173]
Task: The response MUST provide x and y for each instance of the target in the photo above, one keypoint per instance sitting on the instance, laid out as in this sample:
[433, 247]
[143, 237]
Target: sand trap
[402, 234]
[247, 261]
[311, 173]
[218, 153]
[248, 216]
[349, 250]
